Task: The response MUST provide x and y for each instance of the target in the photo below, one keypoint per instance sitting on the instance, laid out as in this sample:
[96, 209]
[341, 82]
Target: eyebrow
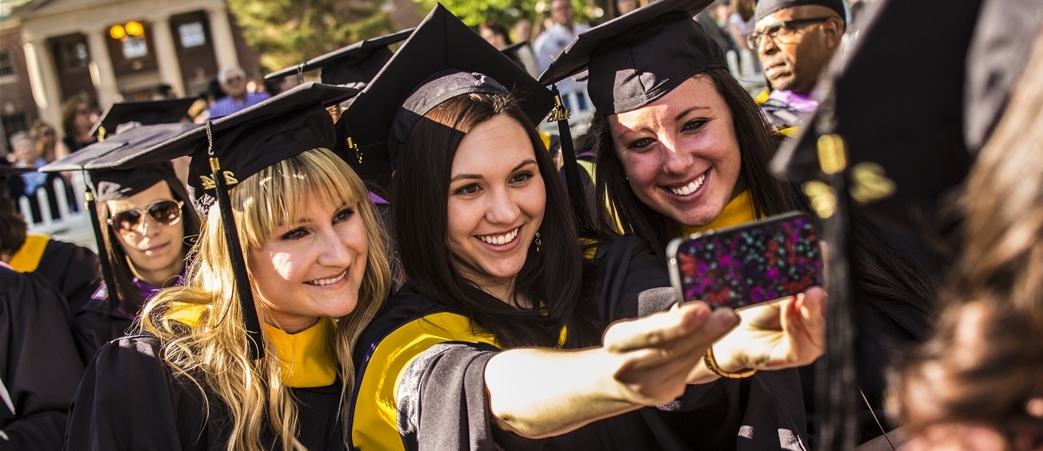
[688, 111]
[304, 220]
[478, 176]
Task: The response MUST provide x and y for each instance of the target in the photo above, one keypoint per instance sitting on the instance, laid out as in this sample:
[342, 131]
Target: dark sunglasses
[165, 212]
[783, 29]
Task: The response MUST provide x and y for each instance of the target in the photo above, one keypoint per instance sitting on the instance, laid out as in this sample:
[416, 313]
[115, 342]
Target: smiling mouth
[329, 281]
[156, 248]
[500, 240]
[690, 188]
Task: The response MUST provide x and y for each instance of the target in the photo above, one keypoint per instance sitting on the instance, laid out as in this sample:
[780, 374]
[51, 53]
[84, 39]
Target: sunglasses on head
[165, 212]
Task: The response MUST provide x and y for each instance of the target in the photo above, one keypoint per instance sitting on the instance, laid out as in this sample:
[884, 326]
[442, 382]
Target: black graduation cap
[901, 132]
[149, 112]
[355, 64]
[440, 44]
[887, 139]
[111, 184]
[234, 147]
[636, 58]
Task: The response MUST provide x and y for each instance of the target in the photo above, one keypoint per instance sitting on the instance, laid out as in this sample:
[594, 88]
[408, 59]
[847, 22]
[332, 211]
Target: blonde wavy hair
[213, 351]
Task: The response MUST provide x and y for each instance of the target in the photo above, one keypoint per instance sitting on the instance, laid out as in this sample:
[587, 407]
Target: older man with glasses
[233, 82]
[794, 40]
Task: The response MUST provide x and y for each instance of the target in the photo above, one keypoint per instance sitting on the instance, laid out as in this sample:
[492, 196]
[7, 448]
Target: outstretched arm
[643, 362]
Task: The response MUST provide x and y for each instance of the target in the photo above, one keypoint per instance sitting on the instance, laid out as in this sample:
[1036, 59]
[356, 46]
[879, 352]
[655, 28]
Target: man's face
[561, 11]
[235, 84]
[795, 44]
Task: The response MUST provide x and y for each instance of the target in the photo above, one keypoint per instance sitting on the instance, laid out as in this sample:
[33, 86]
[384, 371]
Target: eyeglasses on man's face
[783, 29]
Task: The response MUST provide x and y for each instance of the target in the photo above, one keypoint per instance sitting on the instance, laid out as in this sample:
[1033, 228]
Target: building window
[74, 54]
[6, 65]
[134, 47]
[192, 34]
[12, 124]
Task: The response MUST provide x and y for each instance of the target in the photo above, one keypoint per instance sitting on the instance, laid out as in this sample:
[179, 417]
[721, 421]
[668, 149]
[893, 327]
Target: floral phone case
[749, 264]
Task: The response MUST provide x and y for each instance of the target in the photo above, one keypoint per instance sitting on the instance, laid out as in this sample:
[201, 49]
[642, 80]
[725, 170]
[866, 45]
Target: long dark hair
[122, 275]
[755, 147]
[881, 271]
[556, 277]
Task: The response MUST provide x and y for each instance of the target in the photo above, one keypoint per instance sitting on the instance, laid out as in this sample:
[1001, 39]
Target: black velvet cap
[356, 63]
[440, 45]
[114, 184]
[639, 57]
[902, 129]
[137, 139]
[766, 7]
[251, 139]
[148, 112]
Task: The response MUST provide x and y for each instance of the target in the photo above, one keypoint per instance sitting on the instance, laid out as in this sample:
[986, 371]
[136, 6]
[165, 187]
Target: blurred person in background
[795, 40]
[25, 156]
[234, 84]
[77, 120]
[496, 34]
[553, 40]
[163, 92]
[523, 30]
[48, 146]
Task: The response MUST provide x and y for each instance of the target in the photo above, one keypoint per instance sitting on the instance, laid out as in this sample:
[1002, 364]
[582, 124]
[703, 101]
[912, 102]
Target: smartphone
[747, 265]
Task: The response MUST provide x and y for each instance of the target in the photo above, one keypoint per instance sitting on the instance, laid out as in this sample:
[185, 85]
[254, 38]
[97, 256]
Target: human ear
[833, 30]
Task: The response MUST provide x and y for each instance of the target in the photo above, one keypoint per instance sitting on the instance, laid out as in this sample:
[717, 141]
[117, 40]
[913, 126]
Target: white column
[221, 35]
[166, 54]
[103, 75]
[43, 79]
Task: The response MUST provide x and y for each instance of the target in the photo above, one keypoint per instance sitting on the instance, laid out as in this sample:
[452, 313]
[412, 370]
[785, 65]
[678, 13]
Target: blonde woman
[314, 259]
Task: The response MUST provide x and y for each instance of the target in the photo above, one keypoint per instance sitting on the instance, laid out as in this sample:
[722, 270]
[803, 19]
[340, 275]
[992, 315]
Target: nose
[502, 208]
[767, 46]
[675, 160]
[148, 226]
[335, 251]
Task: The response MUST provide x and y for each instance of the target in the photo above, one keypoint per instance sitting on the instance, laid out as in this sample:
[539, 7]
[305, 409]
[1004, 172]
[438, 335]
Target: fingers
[657, 328]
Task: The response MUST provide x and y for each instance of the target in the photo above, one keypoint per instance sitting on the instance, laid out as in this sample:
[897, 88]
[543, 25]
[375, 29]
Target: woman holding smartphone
[504, 334]
[682, 148]
[264, 364]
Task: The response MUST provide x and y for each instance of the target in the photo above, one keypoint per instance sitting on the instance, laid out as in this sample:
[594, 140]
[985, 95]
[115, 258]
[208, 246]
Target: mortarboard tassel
[577, 195]
[242, 281]
[103, 252]
[838, 390]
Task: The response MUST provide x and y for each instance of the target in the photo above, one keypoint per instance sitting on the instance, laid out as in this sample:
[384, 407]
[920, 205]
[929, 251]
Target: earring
[539, 243]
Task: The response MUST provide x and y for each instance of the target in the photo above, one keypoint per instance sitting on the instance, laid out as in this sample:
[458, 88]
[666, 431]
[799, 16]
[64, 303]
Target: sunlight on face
[312, 266]
[680, 152]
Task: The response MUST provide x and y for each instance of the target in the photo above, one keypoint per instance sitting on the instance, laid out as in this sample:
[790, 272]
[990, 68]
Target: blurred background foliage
[288, 32]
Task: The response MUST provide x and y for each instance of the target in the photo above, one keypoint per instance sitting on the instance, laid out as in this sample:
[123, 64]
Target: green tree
[288, 32]
[506, 12]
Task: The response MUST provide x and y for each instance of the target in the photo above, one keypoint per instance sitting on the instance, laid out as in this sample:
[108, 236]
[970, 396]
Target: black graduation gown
[39, 365]
[438, 360]
[130, 399]
[96, 324]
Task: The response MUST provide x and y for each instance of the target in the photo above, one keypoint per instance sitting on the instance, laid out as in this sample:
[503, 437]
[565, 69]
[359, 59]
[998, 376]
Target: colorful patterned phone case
[748, 264]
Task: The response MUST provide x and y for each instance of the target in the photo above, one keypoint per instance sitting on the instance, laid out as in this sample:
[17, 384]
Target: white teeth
[500, 239]
[324, 282]
[689, 188]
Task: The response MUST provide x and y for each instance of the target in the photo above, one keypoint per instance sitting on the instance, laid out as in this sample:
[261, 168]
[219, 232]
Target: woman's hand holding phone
[772, 336]
[654, 354]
